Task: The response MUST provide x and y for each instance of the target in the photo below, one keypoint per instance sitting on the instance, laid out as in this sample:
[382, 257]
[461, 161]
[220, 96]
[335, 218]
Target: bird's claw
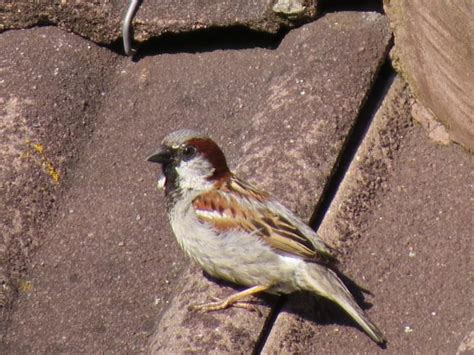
[219, 304]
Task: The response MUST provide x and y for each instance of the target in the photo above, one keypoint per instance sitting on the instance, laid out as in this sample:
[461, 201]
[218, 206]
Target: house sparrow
[240, 233]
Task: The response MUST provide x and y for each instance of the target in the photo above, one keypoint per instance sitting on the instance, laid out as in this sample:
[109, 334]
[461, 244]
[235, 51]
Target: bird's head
[190, 161]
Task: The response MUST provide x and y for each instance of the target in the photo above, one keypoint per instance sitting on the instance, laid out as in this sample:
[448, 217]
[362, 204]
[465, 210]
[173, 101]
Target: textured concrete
[108, 266]
[434, 53]
[51, 86]
[402, 212]
[100, 20]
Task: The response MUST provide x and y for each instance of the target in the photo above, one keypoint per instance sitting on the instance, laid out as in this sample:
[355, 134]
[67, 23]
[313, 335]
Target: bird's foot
[218, 305]
[231, 301]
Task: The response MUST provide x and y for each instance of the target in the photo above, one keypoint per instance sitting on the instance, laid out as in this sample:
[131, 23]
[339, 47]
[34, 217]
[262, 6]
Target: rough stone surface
[434, 53]
[108, 264]
[408, 233]
[367, 177]
[96, 282]
[44, 122]
[100, 20]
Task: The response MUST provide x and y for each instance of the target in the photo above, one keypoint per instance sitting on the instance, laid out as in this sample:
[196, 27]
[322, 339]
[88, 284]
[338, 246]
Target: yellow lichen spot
[25, 286]
[52, 171]
[38, 147]
[38, 150]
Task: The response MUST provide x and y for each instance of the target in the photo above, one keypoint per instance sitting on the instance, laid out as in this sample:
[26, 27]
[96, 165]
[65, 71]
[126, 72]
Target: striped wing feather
[227, 211]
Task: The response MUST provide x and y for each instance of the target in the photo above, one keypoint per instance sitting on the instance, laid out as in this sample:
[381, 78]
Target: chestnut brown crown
[184, 145]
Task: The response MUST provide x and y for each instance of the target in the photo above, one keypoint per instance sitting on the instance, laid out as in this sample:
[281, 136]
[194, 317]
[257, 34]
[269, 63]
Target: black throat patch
[172, 190]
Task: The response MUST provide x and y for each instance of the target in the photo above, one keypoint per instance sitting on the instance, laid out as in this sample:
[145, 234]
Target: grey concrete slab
[108, 267]
[100, 20]
[402, 211]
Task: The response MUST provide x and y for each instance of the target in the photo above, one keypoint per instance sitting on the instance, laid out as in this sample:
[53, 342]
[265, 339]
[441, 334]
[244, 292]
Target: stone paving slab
[44, 122]
[96, 281]
[402, 210]
[109, 266]
[100, 20]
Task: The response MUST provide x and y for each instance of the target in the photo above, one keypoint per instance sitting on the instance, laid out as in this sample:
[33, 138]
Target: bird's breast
[233, 256]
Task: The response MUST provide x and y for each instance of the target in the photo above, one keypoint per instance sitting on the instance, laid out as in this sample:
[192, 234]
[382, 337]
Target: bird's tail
[324, 282]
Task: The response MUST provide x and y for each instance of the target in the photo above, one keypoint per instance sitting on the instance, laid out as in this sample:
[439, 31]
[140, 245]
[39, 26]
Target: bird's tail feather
[326, 283]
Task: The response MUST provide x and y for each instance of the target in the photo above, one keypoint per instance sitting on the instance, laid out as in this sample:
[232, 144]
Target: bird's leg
[232, 300]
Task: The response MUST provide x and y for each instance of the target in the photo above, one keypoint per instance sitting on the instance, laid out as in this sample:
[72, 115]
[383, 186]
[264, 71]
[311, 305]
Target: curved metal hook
[127, 27]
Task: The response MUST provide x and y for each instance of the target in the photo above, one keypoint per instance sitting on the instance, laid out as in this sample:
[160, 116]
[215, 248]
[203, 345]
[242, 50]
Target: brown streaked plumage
[228, 209]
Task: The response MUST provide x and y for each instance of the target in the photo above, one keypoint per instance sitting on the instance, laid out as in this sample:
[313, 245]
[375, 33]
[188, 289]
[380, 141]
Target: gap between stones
[350, 5]
[233, 37]
[205, 40]
[268, 325]
[369, 108]
[374, 99]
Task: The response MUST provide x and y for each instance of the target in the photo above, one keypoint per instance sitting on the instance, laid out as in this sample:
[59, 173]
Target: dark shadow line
[207, 40]
[328, 6]
[379, 89]
[268, 325]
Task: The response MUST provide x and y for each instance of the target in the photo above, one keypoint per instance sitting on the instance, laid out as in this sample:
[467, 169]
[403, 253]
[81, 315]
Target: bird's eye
[188, 152]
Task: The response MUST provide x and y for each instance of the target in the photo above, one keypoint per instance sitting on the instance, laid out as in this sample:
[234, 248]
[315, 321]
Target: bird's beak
[161, 157]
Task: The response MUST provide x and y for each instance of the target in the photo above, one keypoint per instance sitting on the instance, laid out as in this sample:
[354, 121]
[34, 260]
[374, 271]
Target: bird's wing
[240, 207]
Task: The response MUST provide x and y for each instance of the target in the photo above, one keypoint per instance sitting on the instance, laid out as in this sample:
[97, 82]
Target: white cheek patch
[194, 174]
[160, 185]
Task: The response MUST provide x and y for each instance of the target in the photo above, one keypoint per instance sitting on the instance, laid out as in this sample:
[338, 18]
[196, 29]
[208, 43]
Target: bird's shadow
[311, 307]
